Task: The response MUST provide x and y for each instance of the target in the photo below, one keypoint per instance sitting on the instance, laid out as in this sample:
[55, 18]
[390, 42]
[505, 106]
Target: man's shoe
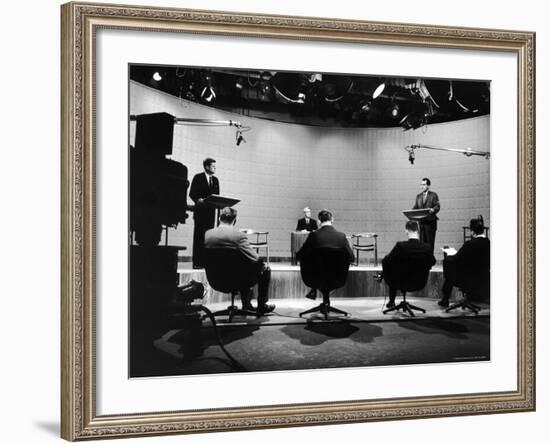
[265, 309]
[391, 304]
[198, 267]
[378, 277]
[248, 308]
[312, 295]
[443, 303]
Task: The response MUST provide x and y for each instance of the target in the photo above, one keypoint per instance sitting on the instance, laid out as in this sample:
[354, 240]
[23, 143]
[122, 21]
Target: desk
[297, 240]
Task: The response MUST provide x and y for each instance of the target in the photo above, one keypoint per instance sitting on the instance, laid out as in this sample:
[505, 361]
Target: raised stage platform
[286, 283]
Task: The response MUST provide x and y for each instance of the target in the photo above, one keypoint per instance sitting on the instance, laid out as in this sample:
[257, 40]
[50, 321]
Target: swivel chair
[479, 286]
[326, 270]
[410, 276]
[229, 271]
[473, 278]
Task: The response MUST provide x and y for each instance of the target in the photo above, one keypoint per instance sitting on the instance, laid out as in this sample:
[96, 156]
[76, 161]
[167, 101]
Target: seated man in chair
[306, 224]
[227, 236]
[325, 237]
[401, 256]
[468, 269]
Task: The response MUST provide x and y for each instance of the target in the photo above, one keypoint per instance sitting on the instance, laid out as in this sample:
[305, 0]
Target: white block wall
[362, 175]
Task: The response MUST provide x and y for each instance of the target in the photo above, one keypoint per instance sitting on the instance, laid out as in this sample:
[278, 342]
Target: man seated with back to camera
[469, 267]
[325, 237]
[226, 235]
[403, 252]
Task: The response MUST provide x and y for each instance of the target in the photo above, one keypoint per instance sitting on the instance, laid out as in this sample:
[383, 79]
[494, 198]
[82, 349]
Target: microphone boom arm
[468, 152]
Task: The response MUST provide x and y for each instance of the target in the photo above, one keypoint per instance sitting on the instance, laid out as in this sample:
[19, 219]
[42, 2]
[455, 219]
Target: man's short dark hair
[427, 180]
[476, 226]
[228, 215]
[207, 162]
[325, 215]
[411, 226]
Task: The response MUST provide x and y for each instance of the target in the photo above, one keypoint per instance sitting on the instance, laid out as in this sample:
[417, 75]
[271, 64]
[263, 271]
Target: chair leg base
[324, 309]
[406, 307]
[464, 304]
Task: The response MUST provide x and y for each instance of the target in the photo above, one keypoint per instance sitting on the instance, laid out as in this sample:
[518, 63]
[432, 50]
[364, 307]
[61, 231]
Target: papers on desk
[449, 251]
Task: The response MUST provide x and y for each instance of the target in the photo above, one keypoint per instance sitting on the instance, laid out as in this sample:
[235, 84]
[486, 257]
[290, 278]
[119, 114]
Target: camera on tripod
[158, 185]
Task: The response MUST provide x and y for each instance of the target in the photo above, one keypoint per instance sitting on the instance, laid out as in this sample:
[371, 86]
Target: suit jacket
[325, 237]
[201, 189]
[302, 225]
[432, 201]
[472, 262]
[232, 238]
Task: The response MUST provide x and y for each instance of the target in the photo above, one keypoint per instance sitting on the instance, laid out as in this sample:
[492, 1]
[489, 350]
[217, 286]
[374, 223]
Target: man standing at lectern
[203, 185]
[427, 200]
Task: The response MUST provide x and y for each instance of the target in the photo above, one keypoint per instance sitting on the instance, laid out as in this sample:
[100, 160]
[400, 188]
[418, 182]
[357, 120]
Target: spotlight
[157, 77]
[239, 84]
[208, 94]
[190, 95]
[265, 90]
[301, 98]
[312, 78]
[378, 90]
[366, 107]
[266, 76]
[395, 110]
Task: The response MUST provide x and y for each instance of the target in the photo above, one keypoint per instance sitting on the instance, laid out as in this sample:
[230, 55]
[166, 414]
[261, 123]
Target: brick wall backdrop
[362, 175]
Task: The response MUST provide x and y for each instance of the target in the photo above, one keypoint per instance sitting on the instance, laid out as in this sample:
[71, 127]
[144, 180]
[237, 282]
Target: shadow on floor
[455, 329]
[316, 333]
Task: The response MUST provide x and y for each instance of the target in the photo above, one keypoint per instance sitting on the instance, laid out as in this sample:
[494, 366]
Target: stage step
[286, 283]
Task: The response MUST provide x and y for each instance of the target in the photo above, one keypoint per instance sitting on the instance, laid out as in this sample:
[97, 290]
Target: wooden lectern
[417, 214]
[219, 202]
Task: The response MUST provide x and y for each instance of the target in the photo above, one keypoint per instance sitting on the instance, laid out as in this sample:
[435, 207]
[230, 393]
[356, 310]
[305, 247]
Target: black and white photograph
[285, 221]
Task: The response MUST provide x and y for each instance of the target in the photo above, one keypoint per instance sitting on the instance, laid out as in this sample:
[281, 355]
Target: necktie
[424, 198]
[210, 182]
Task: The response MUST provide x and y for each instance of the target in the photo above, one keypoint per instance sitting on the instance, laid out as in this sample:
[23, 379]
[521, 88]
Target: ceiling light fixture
[157, 77]
[208, 94]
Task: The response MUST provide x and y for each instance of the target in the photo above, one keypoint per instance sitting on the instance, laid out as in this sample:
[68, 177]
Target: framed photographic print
[283, 221]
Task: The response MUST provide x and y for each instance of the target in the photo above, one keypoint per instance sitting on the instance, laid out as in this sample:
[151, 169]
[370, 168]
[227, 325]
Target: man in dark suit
[227, 236]
[468, 268]
[430, 200]
[306, 223]
[403, 253]
[203, 185]
[325, 237]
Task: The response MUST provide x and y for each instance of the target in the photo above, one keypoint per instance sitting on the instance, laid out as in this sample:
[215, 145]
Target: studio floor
[285, 341]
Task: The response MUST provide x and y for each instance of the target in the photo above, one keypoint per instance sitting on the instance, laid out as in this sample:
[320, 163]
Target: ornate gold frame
[79, 23]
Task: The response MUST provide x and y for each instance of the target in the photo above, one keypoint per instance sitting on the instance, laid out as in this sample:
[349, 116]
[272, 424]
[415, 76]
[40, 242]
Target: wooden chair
[258, 242]
[369, 244]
